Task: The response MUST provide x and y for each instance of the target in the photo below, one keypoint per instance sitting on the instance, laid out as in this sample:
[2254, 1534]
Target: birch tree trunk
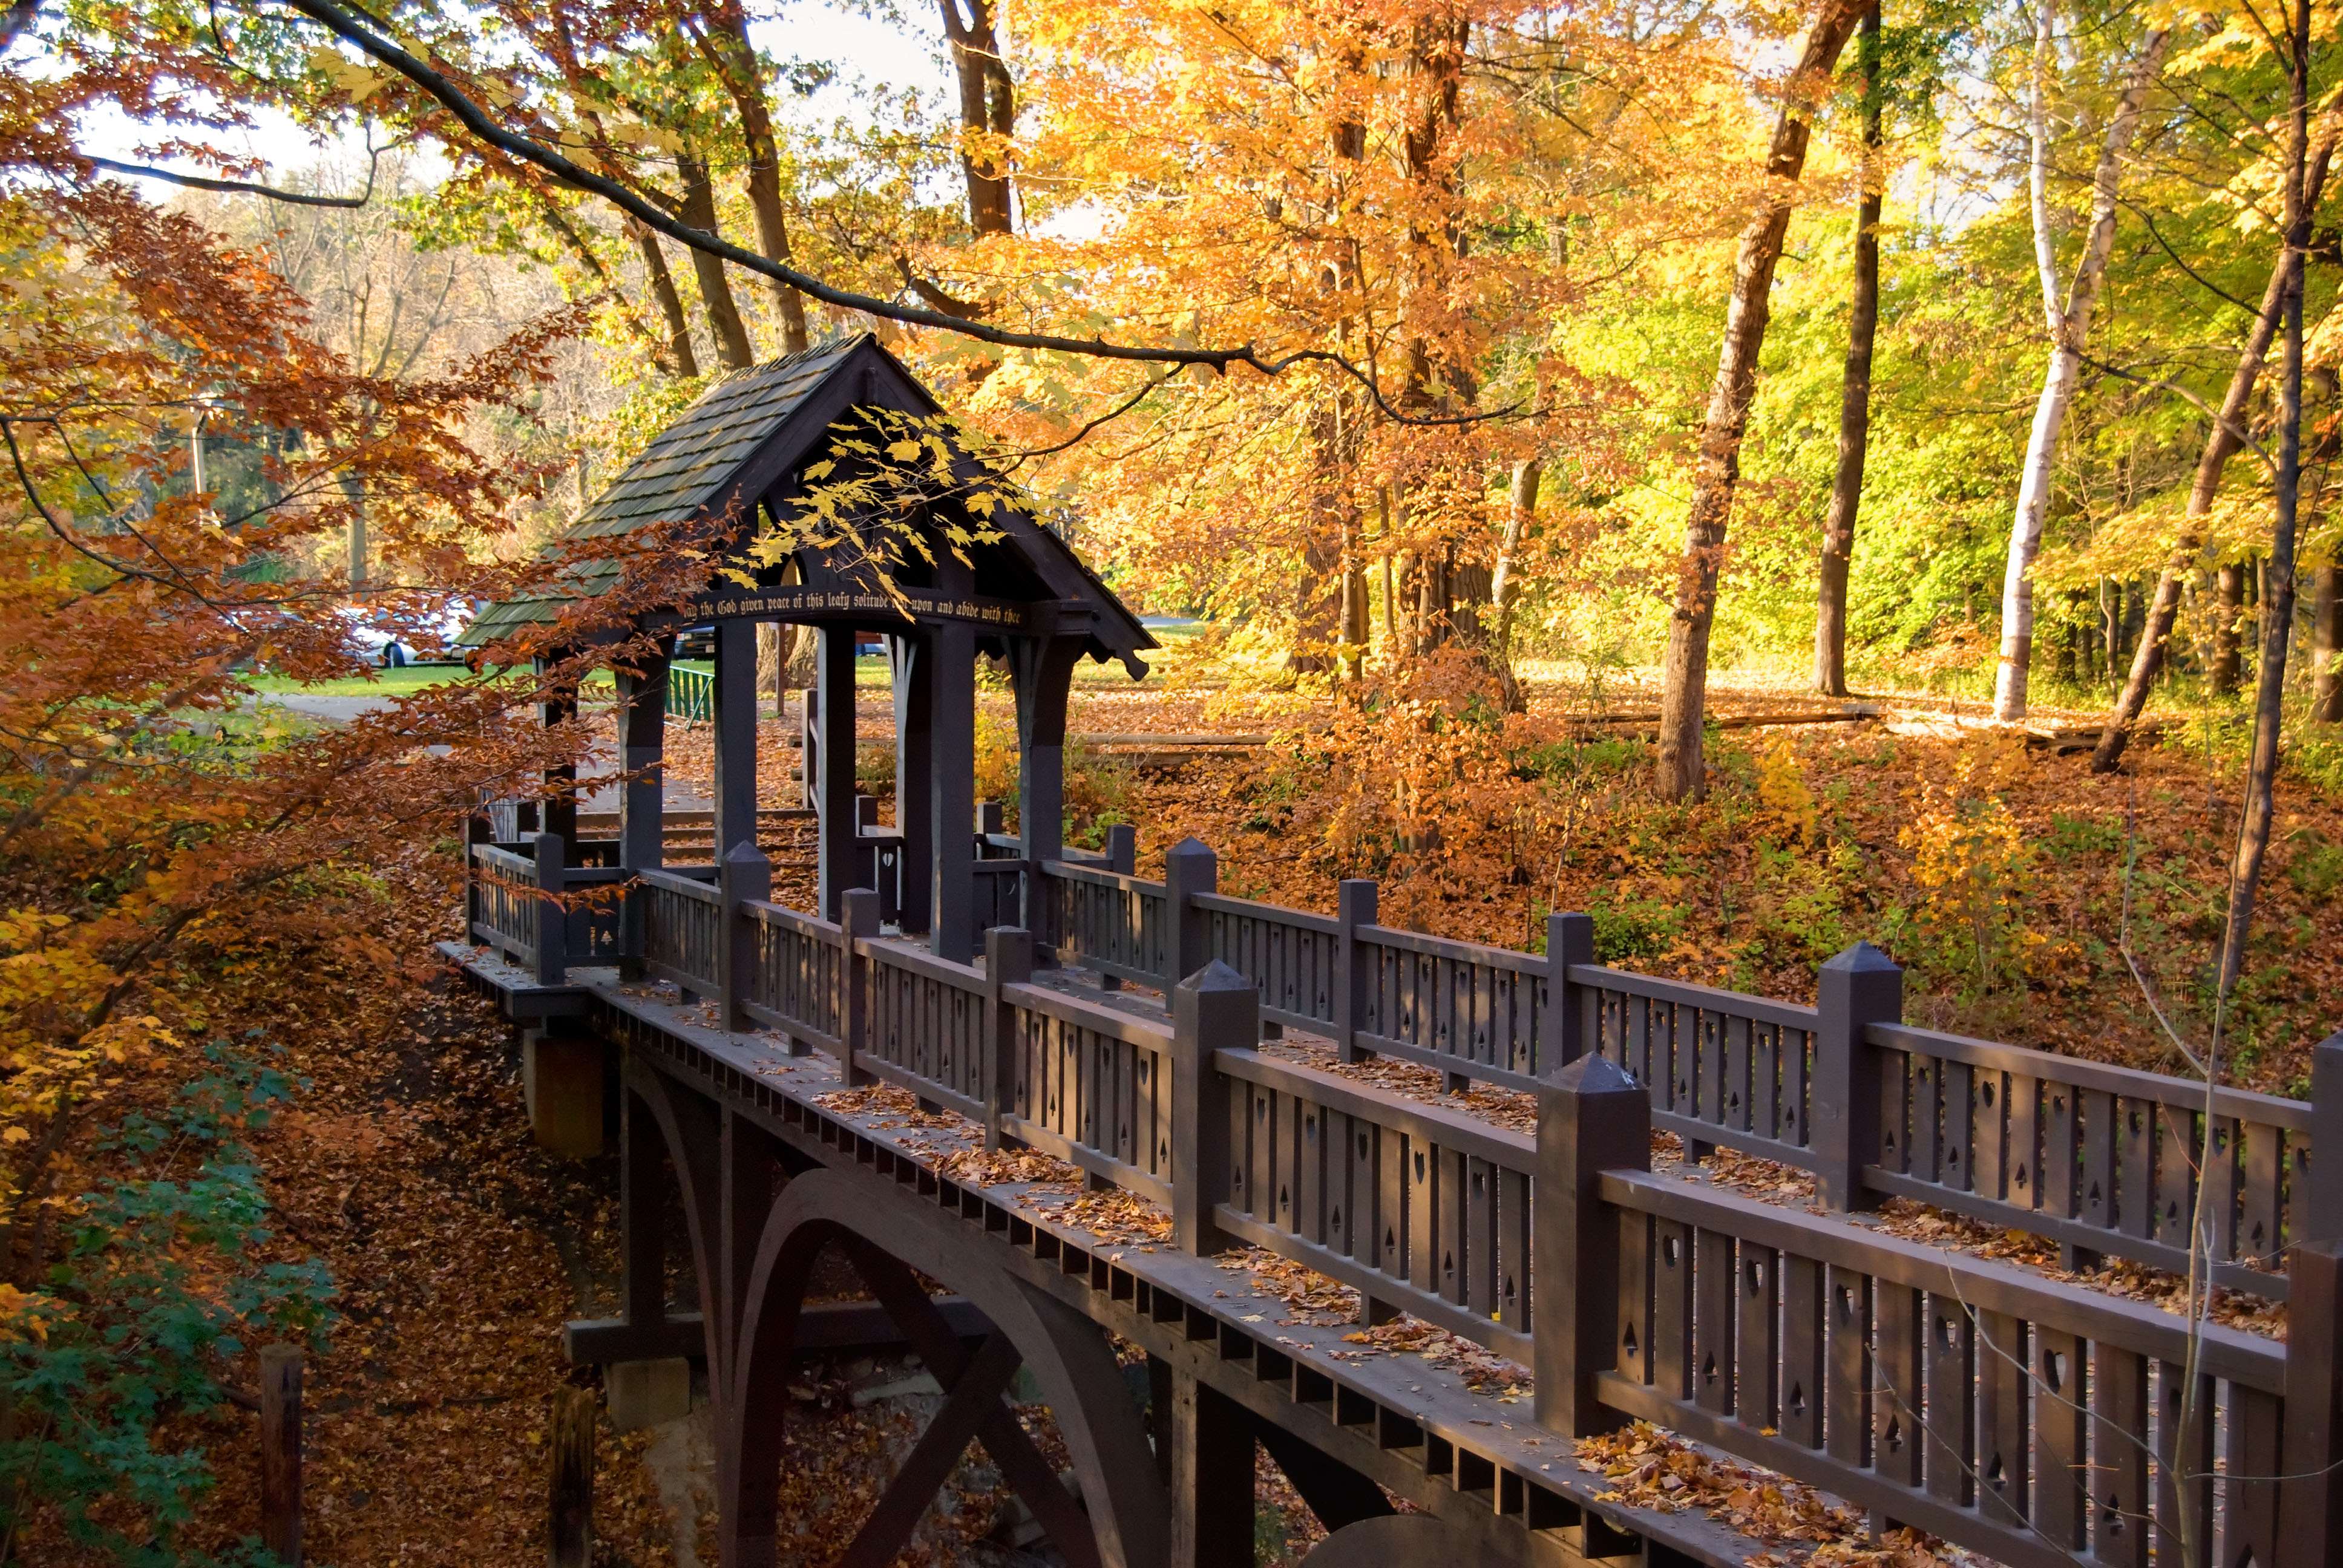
[729, 49]
[2069, 323]
[1683, 774]
[1854, 393]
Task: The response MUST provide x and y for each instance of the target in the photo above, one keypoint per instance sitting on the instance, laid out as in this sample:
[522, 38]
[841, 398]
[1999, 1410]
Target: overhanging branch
[355, 30]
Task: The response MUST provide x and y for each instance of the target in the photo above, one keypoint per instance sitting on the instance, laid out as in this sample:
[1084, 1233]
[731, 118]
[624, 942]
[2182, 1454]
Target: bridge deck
[1459, 1444]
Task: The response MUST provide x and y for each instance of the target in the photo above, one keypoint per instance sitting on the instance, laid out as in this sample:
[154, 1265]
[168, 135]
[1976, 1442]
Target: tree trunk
[1681, 773]
[723, 312]
[728, 49]
[2069, 325]
[1854, 392]
[670, 301]
[1521, 507]
[2221, 442]
[2327, 646]
[358, 548]
[2228, 606]
[988, 110]
[2277, 625]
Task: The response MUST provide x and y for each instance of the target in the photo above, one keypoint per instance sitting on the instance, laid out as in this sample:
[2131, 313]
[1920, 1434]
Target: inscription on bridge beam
[831, 604]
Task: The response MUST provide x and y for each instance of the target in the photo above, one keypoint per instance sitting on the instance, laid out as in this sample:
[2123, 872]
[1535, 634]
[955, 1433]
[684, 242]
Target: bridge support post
[1592, 1118]
[1854, 990]
[1214, 1008]
[915, 708]
[857, 922]
[744, 876]
[1563, 1036]
[1211, 1473]
[1354, 906]
[552, 918]
[1189, 868]
[734, 721]
[951, 794]
[1007, 960]
[833, 758]
[2311, 1501]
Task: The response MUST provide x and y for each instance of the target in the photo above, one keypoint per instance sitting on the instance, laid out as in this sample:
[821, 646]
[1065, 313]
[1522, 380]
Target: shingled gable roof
[739, 439]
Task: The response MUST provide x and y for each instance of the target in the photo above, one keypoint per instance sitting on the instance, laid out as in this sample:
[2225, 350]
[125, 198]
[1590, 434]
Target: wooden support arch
[1122, 1522]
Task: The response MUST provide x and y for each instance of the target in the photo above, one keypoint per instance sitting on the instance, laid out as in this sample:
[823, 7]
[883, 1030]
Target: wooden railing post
[1355, 970]
[477, 830]
[1189, 868]
[2311, 1504]
[1007, 960]
[1213, 1008]
[745, 876]
[1855, 990]
[1563, 1036]
[280, 1452]
[857, 922]
[1592, 1118]
[2317, 1215]
[990, 820]
[1121, 849]
[552, 918]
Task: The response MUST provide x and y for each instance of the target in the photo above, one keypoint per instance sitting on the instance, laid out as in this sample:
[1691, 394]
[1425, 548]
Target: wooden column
[834, 755]
[951, 797]
[561, 814]
[915, 707]
[1043, 671]
[642, 746]
[642, 1214]
[736, 735]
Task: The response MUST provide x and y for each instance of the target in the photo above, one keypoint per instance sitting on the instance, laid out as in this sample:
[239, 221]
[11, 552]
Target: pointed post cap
[1216, 977]
[1862, 958]
[1594, 1075]
[746, 853]
[1190, 845]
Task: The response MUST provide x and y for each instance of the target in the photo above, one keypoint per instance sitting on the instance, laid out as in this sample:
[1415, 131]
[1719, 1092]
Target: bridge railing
[2029, 1419]
[2102, 1161]
[528, 902]
[2021, 1417]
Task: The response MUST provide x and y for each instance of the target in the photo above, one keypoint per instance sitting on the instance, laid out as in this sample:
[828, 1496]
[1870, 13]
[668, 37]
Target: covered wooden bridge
[846, 1081]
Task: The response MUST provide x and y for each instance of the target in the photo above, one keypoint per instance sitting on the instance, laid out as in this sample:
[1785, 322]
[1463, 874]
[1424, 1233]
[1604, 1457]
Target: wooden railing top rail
[501, 859]
[1275, 914]
[1111, 1022]
[672, 879]
[1977, 1283]
[1452, 1130]
[2181, 1093]
[789, 919]
[1098, 877]
[1450, 948]
[1685, 993]
[901, 955]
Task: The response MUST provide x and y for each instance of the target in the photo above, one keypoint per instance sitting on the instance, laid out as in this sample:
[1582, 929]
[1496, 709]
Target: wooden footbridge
[1059, 1117]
